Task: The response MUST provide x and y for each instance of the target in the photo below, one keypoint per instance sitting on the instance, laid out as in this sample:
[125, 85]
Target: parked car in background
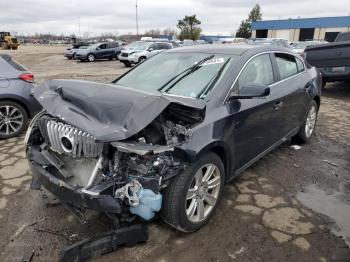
[107, 50]
[299, 47]
[345, 36]
[332, 59]
[230, 40]
[141, 50]
[200, 42]
[17, 104]
[186, 42]
[71, 51]
[79, 44]
[169, 134]
[270, 41]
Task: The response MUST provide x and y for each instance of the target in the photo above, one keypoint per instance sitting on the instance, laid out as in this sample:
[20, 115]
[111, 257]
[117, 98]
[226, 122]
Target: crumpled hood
[106, 111]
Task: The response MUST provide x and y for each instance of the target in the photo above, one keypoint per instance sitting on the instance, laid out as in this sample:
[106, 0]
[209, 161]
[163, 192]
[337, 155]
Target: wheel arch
[222, 150]
[18, 101]
[317, 99]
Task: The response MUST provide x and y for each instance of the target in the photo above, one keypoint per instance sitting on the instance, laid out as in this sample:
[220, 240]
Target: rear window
[286, 64]
[343, 37]
[13, 63]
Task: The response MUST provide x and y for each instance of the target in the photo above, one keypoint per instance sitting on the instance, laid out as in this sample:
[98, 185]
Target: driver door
[258, 121]
[154, 49]
[102, 51]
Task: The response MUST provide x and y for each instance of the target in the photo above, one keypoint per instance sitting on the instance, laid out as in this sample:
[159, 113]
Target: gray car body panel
[14, 89]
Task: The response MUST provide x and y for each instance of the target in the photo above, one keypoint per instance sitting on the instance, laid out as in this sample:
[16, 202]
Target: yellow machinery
[7, 41]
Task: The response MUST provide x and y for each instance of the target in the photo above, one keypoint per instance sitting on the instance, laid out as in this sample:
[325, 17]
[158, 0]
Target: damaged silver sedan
[167, 135]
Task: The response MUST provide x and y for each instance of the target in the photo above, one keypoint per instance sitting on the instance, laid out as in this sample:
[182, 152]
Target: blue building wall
[323, 22]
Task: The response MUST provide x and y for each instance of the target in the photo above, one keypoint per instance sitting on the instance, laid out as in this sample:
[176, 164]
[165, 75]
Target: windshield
[94, 46]
[139, 45]
[186, 74]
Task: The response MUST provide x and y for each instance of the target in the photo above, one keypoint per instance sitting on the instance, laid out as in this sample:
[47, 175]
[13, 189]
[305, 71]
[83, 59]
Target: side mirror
[97, 48]
[251, 90]
[150, 49]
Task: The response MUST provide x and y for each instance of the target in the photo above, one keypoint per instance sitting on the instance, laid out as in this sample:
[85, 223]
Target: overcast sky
[118, 16]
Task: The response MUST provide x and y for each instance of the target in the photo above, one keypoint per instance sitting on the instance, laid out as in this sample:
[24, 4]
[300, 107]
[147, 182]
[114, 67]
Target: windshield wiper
[212, 81]
[188, 71]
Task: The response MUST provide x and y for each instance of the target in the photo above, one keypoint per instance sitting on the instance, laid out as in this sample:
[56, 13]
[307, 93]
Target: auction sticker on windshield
[213, 61]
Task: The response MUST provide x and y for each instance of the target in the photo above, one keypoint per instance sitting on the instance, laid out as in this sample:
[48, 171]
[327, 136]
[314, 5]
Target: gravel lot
[292, 205]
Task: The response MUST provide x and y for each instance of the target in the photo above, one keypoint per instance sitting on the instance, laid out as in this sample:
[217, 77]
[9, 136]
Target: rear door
[259, 119]
[111, 48]
[295, 84]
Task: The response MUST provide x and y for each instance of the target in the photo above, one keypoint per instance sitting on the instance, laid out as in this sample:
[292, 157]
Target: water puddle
[330, 205]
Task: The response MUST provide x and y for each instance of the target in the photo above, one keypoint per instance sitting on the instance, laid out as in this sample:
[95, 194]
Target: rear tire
[308, 128]
[13, 119]
[192, 197]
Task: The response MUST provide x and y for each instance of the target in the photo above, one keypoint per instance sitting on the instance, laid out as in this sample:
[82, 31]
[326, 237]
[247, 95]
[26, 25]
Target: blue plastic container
[149, 204]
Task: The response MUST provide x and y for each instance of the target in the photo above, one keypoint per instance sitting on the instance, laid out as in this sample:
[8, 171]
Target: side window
[286, 64]
[258, 71]
[300, 65]
[163, 46]
[111, 45]
[103, 46]
[153, 46]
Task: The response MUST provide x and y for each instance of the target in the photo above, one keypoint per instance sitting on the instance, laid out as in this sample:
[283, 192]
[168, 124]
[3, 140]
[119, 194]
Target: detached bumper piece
[105, 243]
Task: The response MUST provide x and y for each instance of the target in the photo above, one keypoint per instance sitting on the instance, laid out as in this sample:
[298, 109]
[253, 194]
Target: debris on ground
[23, 227]
[104, 243]
[296, 147]
[28, 256]
[329, 163]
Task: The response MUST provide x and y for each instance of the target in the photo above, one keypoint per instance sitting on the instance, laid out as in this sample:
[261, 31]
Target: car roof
[238, 49]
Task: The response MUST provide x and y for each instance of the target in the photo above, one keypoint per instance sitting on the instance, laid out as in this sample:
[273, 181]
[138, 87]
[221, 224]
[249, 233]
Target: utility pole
[137, 23]
[79, 27]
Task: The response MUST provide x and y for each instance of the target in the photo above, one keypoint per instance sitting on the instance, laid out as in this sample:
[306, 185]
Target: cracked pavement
[289, 206]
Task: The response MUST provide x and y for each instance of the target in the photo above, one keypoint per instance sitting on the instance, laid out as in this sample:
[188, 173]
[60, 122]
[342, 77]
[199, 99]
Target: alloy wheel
[91, 58]
[11, 120]
[203, 193]
[310, 121]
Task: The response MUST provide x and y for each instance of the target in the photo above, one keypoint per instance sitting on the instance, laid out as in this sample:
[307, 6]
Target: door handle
[277, 105]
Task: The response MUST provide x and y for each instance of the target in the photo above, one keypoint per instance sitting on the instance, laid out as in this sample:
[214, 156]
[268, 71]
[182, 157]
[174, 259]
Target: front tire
[13, 119]
[192, 197]
[127, 64]
[308, 128]
[91, 58]
[142, 59]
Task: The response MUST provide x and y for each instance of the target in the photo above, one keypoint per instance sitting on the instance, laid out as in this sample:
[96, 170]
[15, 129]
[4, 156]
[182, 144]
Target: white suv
[139, 51]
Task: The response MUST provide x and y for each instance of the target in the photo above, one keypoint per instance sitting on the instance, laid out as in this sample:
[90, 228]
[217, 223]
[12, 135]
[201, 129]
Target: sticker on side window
[213, 61]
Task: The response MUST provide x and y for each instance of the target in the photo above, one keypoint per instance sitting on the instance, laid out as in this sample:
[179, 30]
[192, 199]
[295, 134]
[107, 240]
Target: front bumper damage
[67, 194]
[107, 177]
[119, 164]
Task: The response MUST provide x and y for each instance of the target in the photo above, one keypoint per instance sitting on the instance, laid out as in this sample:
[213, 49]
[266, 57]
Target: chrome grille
[68, 140]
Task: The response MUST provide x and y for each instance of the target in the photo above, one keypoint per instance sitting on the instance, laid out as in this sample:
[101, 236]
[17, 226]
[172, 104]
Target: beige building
[322, 28]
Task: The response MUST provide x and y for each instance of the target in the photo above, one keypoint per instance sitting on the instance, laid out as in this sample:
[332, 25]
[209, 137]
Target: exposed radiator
[68, 140]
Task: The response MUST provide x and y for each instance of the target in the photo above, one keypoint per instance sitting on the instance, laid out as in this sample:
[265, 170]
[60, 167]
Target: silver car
[139, 51]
